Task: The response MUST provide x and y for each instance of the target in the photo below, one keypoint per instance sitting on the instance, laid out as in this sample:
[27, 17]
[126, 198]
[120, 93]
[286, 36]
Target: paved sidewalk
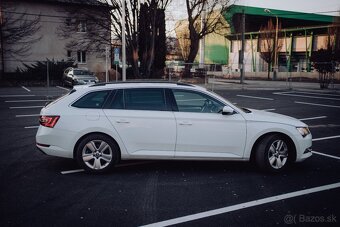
[269, 85]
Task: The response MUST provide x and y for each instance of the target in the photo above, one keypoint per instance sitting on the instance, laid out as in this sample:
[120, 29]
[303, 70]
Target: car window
[144, 99]
[117, 102]
[92, 100]
[191, 101]
[81, 72]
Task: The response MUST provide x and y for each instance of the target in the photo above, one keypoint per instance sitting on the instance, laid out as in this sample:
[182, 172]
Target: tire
[97, 153]
[273, 153]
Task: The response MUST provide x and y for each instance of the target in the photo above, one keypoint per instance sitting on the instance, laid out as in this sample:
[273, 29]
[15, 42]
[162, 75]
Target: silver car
[78, 76]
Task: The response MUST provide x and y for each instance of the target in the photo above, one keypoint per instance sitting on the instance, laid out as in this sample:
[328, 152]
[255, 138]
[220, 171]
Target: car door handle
[185, 123]
[123, 121]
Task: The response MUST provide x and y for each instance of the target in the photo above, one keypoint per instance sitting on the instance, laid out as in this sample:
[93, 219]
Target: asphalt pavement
[39, 190]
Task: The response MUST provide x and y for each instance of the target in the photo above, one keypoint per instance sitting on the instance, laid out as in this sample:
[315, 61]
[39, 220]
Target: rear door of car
[144, 122]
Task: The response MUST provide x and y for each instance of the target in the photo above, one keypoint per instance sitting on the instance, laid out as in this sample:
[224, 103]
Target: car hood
[263, 116]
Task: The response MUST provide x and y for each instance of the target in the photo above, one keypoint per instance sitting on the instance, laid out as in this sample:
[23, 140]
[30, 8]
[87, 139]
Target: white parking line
[28, 115]
[25, 107]
[38, 100]
[63, 88]
[312, 118]
[311, 93]
[268, 109]
[241, 206]
[327, 155]
[326, 138]
[26, 89]
[72, 171]
[305, 96]
[28, 127]
[254, 97]
[9, 96]
[316, 104]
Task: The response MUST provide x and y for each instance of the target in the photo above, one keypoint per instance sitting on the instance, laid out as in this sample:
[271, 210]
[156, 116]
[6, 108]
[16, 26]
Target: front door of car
[142, 120]
[202, 130]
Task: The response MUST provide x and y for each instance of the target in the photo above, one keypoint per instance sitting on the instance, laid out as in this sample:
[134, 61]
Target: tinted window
[190, 101]
[144, 99]
[118, 101]
[92, 100]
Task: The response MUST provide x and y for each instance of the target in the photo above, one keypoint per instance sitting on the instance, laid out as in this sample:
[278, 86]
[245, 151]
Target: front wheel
[97, 153]
[273, 153]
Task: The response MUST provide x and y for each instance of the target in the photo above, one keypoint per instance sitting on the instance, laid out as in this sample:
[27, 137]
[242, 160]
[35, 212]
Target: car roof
[138, 84]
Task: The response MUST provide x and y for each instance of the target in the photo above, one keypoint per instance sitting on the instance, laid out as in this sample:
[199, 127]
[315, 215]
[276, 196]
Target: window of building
[81, 56]
[93, 100]
[69, 54]
[82, 26]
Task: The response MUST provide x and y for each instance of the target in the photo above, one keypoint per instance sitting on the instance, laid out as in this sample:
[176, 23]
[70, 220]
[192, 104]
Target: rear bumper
[55, 142]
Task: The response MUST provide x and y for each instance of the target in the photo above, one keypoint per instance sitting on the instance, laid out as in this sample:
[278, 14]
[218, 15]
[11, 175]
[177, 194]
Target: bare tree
[325, 60]
[268, 47]
[93, 39]
[183, 38]
[152, 37]
[204, 17]
[17, 33]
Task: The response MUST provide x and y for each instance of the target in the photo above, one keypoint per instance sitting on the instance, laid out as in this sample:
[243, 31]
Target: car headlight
[304, 131]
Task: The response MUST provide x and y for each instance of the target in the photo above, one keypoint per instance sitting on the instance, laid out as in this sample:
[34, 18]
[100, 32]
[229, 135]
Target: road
[38, 190]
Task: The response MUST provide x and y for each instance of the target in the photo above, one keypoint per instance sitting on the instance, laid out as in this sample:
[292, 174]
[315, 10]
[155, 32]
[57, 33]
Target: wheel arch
[290, 141]
[93, 133]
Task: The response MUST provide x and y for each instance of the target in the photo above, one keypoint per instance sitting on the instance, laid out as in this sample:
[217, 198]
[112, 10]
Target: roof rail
[141, 82]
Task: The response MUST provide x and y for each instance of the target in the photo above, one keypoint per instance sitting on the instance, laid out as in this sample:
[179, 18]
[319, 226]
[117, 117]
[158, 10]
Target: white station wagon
[99, 125]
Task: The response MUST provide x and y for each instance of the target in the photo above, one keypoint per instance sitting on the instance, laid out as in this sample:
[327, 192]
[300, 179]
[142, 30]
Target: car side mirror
[227, 110]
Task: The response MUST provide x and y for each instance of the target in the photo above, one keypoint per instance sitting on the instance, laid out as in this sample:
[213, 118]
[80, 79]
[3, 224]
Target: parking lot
[38, 190]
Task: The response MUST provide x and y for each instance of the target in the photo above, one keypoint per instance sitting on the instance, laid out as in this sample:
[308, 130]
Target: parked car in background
[78, 76]
[99, 125]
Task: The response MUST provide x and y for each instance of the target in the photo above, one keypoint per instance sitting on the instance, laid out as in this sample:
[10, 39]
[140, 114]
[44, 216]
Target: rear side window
[144, 99]
[94, 100]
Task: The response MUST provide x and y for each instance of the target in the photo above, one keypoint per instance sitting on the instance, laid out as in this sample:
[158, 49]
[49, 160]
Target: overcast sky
[309, 6]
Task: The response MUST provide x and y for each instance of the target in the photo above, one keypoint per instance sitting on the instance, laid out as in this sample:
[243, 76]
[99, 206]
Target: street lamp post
[123, 43]
[276, 43]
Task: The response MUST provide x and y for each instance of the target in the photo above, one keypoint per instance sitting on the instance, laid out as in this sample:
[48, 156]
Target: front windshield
[82, 72]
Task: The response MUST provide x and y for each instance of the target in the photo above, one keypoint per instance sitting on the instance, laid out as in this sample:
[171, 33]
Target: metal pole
[47, 74]
[123, 44]
[106, 68]
[202, 41]
[276, 49]
[242, 48]
[116, 72]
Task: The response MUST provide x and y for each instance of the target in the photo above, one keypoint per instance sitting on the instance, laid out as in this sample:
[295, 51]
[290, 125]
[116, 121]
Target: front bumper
[303, 148]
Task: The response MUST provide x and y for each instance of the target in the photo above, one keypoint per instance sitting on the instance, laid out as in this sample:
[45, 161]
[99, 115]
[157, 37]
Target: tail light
[48, 121]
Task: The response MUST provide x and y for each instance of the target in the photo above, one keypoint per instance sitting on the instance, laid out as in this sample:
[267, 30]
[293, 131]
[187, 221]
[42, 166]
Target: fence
[197, 71]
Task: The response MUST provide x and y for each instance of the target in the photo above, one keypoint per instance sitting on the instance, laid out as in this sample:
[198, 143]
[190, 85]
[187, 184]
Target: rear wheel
[97, 153]
[273, 153]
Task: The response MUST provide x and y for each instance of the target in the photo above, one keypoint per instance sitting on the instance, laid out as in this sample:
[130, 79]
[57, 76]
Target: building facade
[59, 30]
[299, 35]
